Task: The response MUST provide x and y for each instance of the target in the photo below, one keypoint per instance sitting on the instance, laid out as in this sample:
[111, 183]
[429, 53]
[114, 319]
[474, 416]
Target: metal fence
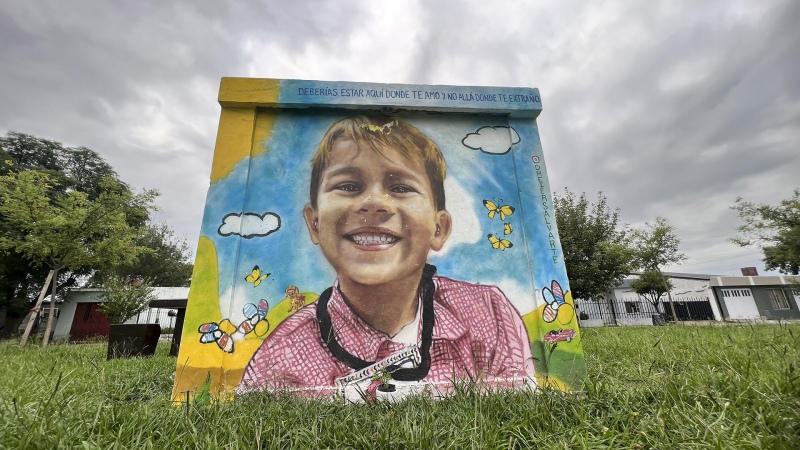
[162, 316]
[637, 310]
[689, 309]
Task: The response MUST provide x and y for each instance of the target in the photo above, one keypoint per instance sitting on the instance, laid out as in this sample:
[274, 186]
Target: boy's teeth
[373, 239]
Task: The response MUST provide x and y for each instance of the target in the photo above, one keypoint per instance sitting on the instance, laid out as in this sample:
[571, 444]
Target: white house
[692, 298]
[80, 316]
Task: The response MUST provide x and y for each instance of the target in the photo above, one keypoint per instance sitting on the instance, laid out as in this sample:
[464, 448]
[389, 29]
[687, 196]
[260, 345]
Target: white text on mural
[548, 219]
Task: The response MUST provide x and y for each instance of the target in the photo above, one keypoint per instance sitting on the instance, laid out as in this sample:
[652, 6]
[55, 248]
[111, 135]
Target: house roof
[689, 276]
[161, 293]
[762, 280]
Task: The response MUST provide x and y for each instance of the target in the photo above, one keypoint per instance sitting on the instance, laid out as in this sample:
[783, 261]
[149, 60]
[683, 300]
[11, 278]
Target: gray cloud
[672, 109]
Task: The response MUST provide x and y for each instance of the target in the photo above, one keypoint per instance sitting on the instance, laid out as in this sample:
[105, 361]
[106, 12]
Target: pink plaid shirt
[477, 333]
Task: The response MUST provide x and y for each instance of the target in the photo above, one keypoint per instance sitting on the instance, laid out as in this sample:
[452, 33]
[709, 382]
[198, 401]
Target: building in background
[79, 316]
[699, 297]
[758, 297]
[691, 296]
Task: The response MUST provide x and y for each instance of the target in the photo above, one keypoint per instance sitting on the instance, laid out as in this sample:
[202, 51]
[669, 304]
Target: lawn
[734, 386]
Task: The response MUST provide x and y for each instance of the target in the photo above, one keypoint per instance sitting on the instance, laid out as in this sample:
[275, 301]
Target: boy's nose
[373, 204]
[374, 201]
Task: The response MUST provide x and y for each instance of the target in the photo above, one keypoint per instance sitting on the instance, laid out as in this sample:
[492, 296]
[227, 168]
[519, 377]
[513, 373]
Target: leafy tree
[595, 246]
[652, 285]
[68, 169]
[124, 298]
[165, 260]
[70, 231]
[18, 278]
[30, 152]
[86, 171]
[775, 229]
[656, 245]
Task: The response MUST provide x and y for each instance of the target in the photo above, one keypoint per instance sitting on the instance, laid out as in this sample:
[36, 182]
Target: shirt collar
[361, 339]
[355, 335]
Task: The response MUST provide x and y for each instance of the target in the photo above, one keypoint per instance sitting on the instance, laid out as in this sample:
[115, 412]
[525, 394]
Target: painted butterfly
[499, 243]
[504, 210]
[256, 277]
[210, 332]
[254, 314]
[250, 310]
[554, 297]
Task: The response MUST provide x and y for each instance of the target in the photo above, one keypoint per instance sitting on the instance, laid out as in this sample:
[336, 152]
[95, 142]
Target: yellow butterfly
[501, 244]
[507, 228]
[256, 277]
[504, 210]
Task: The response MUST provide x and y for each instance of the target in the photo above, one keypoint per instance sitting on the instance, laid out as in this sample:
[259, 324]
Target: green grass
[667, 387]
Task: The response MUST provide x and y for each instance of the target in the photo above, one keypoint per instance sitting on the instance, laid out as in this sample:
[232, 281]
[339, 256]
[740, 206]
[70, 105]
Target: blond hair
[376, 132]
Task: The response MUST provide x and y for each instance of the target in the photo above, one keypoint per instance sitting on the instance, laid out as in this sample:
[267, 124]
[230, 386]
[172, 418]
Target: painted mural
[365, 241]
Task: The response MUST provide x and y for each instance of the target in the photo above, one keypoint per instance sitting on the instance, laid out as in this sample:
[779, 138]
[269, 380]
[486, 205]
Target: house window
[632, 307]
[736, 293]
[778, 299]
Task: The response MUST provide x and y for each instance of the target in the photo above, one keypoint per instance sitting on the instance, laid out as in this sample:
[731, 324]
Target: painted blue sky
[278, 182]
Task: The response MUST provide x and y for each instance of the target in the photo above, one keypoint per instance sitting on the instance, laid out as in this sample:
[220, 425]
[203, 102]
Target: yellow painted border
[234, 140]
[248, 92]
[241, 131]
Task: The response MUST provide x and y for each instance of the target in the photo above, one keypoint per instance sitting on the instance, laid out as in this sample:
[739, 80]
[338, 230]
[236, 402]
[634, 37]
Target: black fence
[632, 310]
[689, 309]
[162, 316]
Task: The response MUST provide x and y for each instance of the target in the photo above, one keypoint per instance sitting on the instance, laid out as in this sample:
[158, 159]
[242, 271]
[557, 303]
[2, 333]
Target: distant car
[559, 335]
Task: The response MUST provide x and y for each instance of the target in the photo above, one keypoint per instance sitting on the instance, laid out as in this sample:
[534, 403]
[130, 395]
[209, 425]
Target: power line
[723, 256]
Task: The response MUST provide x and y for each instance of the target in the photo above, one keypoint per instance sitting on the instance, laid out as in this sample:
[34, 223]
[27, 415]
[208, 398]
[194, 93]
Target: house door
[740, 304]
[89, 322]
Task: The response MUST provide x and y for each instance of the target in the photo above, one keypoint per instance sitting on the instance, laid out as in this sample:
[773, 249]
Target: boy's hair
[383, 131]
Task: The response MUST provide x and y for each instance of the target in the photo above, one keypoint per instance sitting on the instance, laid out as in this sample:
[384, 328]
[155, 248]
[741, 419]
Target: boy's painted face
[375, 219]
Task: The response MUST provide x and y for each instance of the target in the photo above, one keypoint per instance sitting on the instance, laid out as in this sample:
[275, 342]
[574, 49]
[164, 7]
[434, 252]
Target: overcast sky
[670, 108]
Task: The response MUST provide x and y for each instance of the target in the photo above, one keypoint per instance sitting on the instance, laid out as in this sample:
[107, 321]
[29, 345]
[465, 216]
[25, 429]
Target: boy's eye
[402, 189]
[347, 187]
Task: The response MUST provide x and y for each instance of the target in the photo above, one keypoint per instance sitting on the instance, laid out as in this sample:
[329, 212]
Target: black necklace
[425, 290]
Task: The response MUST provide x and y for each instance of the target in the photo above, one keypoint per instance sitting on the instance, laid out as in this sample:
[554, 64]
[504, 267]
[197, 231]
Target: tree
[72, 231]
[18, 278]
[29, 152]
[775, 229]
[69, 169]
[656, 245]
[595, 247]
[85, 170]
[652, 285]
[165, 260]
[124, 298]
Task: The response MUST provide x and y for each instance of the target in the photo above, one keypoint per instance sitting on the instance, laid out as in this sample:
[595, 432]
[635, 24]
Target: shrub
[125, 298]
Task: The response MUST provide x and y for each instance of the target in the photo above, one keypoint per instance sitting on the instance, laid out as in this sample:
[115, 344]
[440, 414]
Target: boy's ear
[444, 225]
[312, 223]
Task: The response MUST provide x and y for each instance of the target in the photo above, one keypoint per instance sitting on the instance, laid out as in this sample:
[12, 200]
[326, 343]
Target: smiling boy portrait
[377, 210]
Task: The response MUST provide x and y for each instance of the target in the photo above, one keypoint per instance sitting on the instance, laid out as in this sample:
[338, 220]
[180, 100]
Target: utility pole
[35, 310]
[671, 306]
[49, 327]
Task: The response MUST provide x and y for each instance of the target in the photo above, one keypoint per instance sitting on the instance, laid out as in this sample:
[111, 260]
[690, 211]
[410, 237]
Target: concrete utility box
[370, 240]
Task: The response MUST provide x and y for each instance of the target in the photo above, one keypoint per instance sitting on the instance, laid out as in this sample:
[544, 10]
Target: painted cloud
[492, 140]
[249, 225]
[466, 226]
